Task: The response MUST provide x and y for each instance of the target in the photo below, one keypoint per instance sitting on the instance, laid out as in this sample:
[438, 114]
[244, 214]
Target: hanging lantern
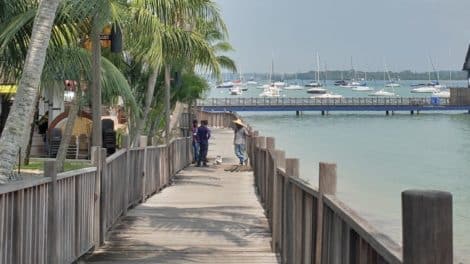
[116, 39]
[106, 37]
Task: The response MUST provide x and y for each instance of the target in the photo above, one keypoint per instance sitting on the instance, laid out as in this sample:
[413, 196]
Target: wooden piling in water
[427, 227]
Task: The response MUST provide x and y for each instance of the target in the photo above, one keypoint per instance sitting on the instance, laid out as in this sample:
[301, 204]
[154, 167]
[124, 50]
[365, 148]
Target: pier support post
[427, 227]
[412, 112]
[322, 113]
[417, 112]
[297, 113]
[386, 113]
[393, 112]
[326, 185]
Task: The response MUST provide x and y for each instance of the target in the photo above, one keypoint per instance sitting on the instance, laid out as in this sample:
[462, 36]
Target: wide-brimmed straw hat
[239, 122]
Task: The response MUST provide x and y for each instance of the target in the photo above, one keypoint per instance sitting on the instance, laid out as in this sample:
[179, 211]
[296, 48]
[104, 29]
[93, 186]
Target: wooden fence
[57, 219]
[311, 225]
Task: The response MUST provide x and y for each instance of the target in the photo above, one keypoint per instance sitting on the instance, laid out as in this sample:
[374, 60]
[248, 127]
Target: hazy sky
[403, 33]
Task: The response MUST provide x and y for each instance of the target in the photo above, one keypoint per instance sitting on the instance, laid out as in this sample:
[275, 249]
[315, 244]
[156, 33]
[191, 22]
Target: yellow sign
[8, 88]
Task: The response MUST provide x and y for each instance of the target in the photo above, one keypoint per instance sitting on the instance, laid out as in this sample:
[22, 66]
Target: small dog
[218, 160]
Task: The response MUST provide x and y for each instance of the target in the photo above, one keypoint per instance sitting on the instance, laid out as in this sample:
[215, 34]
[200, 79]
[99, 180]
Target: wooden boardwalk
[208, 215]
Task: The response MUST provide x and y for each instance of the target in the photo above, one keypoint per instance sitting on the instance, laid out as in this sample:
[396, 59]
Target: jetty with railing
[148, 205]
[323, 105]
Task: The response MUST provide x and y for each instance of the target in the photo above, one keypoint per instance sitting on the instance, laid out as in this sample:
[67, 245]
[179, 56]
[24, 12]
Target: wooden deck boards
[207, 216]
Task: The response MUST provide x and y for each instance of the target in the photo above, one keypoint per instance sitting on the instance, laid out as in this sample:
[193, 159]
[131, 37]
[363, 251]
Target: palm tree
[174, 43]
[19, 119]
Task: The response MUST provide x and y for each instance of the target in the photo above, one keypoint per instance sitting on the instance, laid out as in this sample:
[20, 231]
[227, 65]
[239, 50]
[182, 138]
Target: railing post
[280, 159]
[292, 170]
[52, 214]
[143, 144]
[261, 145]
[127, 145]
[270, 171]
[96, 160]
[326, 185]
[427, 227]
[252, 147]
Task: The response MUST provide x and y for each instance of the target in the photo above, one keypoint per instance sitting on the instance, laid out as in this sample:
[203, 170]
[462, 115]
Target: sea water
[379, 156]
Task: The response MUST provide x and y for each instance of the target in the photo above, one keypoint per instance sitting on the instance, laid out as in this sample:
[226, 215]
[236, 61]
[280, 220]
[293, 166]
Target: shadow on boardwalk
[207, 216]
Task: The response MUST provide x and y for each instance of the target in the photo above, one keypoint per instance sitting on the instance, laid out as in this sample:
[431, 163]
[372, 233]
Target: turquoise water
[379, 156]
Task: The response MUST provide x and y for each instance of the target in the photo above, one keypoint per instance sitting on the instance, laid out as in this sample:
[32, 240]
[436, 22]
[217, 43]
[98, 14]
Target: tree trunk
[167, 102]
[18, 122]
[152, 81]
[96, 136]
[153, 127]
[177, 113]
[6, 106]
[27, 153]
[65, 141]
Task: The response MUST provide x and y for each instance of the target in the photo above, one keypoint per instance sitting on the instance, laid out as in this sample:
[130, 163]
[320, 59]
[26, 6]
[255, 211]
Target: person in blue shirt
[203, 134]
[195, 142]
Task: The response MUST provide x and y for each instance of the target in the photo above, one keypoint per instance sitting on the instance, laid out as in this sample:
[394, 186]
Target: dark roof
[466, 64]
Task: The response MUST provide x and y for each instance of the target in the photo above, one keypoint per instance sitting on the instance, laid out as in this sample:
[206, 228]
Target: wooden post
[427, 227]
[52, 213]
[292, 167]
[292, 170]
[143, 144]
[104, 191]
[96, 161]
[261, 145]
[128, 173]
[277, 202]
[252, 147]
[281, 159]
[327, 185]
[270, 143]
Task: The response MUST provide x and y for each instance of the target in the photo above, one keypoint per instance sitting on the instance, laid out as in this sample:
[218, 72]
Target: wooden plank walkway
[208, 215]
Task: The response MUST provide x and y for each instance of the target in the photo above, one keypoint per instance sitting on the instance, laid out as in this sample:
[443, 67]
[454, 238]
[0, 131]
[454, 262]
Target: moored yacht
[225, 85]
[316, 90]
[361, 88]
[328, 95]
[271, 91]
[383, 93]
[236, 90]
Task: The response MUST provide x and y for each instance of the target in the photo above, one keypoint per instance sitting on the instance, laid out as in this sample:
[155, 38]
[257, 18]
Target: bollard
[427, 227]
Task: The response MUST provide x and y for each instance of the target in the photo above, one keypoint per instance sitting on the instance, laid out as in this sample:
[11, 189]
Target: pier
[148, 204]
[324, 105]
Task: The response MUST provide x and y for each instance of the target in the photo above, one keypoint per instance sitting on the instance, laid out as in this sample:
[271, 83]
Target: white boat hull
[362, 89]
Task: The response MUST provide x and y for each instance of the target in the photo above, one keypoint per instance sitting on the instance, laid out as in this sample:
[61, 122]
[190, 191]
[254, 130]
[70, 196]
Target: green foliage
[193, 86]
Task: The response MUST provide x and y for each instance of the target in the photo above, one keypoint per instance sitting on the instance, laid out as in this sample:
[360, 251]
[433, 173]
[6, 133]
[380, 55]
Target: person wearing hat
[239, 140]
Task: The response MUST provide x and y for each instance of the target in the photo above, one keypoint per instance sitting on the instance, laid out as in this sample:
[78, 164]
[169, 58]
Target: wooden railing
[58, 218]
[311, 225]
[349, 101]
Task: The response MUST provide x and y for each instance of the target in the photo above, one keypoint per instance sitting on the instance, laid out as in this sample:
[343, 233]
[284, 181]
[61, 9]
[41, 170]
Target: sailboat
[294, 86]
[316, 83]
[383, 92]
[271, 90]
[433, 87]
[363, 86]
